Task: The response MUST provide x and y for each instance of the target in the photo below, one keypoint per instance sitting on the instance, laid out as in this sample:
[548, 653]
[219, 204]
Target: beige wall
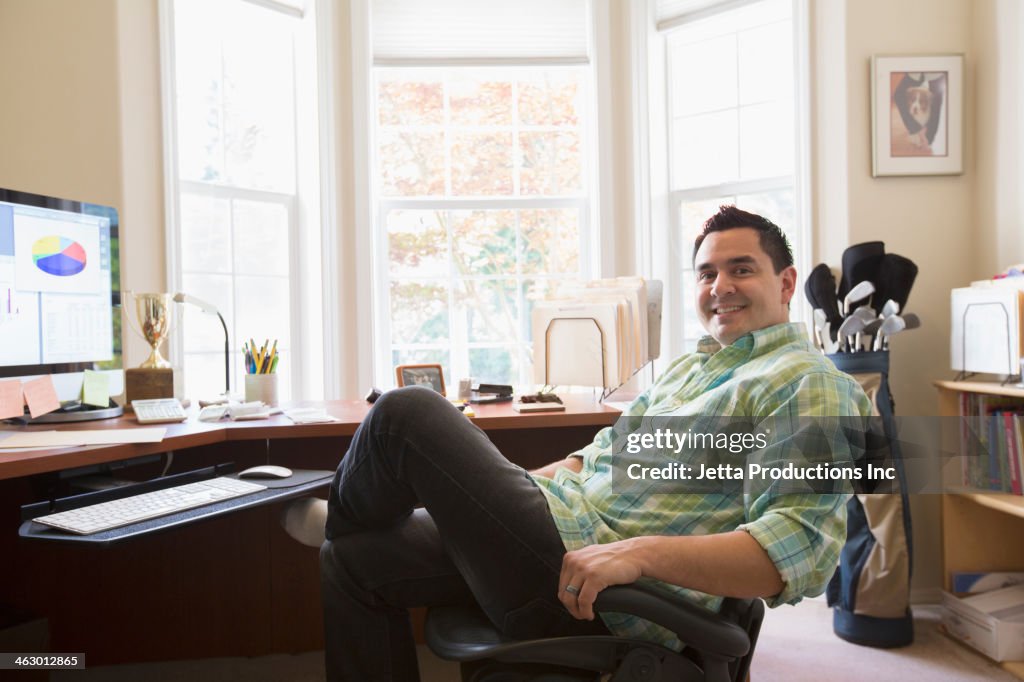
[81, 118]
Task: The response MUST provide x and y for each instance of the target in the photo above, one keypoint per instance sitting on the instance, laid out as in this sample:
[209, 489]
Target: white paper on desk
[57, 439]
[309, 415]
[986, 330]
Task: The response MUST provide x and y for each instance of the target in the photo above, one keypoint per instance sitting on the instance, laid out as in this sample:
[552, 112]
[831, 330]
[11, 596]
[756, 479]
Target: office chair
[718, 646]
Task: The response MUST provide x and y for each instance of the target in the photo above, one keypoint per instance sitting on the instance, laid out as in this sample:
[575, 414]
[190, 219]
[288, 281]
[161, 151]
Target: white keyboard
[116, 513]
[159, 411]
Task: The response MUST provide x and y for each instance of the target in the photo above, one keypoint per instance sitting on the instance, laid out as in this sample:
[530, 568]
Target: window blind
[553, 31]
[673, 13]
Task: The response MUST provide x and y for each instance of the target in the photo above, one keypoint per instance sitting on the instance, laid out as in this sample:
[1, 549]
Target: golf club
[858, 293]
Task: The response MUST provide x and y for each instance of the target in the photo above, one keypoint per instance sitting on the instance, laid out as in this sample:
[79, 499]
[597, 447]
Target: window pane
[692, 216]
[204, 374]
[417, 243]
[488, 309]
[552, 98]
[477, 101]
[261, 238]
[402, 100]
[703, 76]
[200, 87]
[766, 140]
[419, 312]
[435, 356]
[259, 102]
[263, 310]
[766, 63]
[205, 234]
[705, 150]
[481, 164]
[484, 242]
[777, 206]
[494, 365]
[203, 331]
[550, 241]
[550, 163]
[411, 163]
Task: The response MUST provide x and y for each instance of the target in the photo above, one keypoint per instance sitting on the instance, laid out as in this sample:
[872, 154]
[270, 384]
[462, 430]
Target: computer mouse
[266, 471]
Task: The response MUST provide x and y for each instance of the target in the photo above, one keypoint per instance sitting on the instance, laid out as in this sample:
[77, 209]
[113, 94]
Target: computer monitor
[59, 290]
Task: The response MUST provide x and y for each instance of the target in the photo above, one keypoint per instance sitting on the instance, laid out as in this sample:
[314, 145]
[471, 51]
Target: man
[534, 549]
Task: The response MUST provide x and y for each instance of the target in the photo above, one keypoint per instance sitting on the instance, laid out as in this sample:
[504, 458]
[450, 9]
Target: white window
[236, 91]
[732, 126]
[482, 179]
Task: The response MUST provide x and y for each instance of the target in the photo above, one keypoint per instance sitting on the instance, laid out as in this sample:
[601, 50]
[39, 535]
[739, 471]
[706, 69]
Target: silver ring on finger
[572, 589]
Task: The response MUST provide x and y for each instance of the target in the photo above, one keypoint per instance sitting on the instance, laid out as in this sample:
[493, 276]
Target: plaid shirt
[770, 372]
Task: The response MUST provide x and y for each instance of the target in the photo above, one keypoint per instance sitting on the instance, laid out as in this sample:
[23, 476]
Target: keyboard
[159, 411]
[128, 510]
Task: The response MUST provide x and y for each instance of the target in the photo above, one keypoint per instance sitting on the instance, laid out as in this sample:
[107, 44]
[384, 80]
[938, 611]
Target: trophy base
[146, 384]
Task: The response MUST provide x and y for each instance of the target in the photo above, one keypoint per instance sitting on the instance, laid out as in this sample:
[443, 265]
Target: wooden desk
[235, 586]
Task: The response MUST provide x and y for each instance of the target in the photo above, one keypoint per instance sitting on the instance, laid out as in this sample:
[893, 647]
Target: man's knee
[407, 401]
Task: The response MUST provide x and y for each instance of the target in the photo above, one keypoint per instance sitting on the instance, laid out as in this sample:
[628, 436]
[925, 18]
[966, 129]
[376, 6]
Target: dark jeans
[484, 534]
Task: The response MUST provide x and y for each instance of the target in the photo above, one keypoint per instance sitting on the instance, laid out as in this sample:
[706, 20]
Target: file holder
[299, 484]
[1013, 374]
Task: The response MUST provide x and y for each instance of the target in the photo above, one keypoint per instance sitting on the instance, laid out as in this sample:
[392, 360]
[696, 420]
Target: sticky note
[41, 396]
[11, 402]
[95, 389]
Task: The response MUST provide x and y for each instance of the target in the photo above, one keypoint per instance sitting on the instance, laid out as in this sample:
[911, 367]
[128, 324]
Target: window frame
[666, 229]
[372, 269]
[301, 208]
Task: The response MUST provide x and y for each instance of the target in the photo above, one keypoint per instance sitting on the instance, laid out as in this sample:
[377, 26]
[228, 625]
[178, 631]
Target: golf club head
[891, 325]
[860, 262]
[870, 332]
[848, 328]
[891, 307]
[912, 321]
[859, 292]
[866, 313]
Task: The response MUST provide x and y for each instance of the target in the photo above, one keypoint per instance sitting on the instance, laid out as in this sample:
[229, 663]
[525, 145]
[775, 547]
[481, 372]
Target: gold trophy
[153, 322]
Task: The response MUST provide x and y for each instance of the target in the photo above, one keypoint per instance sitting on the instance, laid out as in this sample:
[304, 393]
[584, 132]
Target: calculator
[159, 411]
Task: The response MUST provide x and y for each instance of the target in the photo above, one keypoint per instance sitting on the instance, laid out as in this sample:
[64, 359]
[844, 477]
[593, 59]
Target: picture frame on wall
[917, 123]
[431, 376]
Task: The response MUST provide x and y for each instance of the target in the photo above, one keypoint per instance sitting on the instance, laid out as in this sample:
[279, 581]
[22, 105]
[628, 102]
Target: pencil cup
[261, 387]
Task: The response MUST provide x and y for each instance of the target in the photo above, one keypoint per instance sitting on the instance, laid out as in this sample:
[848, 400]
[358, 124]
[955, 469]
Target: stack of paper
[596, 333]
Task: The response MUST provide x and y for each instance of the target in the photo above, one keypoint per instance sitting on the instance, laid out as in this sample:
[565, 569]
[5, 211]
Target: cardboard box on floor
[991, 622]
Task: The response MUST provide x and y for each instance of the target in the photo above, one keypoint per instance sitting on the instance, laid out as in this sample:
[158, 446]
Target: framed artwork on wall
[917, 123]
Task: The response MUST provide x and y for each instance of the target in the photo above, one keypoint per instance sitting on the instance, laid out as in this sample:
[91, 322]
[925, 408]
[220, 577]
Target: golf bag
[870, 591]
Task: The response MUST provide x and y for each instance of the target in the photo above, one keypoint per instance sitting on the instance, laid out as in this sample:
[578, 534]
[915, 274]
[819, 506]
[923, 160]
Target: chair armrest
[695, 625]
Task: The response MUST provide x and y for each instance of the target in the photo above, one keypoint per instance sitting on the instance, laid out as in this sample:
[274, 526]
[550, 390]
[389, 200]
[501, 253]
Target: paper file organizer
[986, 331]
[581, 345]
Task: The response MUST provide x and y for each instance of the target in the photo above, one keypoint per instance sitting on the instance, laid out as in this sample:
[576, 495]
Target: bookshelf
[980, 531]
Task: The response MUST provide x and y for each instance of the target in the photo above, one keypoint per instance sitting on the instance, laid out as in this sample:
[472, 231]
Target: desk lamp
[212, 309]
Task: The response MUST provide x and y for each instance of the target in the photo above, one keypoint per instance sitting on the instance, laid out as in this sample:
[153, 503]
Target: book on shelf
[991, 429]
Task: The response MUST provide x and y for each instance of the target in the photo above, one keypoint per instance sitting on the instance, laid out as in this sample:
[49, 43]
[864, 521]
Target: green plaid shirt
[770, 372]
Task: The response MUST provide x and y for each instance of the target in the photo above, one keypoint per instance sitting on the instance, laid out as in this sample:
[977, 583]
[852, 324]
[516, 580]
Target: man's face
[737, 289]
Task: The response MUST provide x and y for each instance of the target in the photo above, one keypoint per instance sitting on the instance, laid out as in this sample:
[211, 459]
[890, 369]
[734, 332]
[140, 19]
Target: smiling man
[524, 545]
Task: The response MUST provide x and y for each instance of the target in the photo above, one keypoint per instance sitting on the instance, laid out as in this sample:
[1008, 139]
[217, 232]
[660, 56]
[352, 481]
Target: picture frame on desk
[431, 376]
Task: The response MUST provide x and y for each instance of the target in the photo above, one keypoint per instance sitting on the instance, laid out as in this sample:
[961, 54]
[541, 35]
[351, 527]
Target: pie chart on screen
[60, 256]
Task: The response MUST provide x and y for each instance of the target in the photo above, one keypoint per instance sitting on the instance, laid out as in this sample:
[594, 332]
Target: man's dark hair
[773, 239]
